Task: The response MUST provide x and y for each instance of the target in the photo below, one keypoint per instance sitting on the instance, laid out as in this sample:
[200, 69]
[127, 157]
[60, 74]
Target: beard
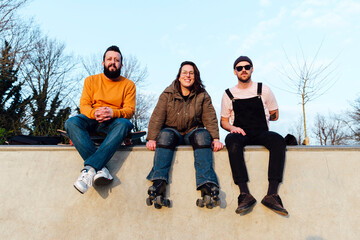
[245, 80]
[112, 74]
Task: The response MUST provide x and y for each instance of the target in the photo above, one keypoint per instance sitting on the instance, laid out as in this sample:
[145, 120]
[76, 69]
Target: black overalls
[250, 116]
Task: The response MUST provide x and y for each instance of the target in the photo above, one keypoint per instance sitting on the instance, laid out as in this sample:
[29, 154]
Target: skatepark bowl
[321, 191]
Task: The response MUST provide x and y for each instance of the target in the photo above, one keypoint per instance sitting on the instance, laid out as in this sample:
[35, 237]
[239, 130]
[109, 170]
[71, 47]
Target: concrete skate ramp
[321, 191]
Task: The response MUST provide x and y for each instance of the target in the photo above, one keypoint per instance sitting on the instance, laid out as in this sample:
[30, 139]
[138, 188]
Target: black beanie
[242, 58]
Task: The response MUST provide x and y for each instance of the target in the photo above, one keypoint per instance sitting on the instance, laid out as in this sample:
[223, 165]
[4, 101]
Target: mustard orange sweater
[99, 91]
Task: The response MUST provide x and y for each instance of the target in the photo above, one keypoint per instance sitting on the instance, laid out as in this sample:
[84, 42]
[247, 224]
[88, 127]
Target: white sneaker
[85, 180]
[103, 177]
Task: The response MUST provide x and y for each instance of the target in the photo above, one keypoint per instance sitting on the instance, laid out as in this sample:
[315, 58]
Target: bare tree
[47, 75]
[22, 37]
[92, 64]
[134, 71]
[142, 115]
[17, 38]
[8, 9]
[131, 69]
[353, 121]
[309, 79]
[297, 129]
[330, 130]
[20, 34]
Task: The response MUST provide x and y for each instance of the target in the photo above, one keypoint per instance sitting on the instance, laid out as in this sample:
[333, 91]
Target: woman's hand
[217, 145]
[151, 145]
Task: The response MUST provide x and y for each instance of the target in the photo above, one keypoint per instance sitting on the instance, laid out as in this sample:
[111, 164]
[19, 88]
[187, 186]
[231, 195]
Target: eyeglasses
[186, 73]
[240, 68]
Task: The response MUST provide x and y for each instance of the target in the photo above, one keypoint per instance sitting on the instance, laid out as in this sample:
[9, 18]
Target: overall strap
[259, 89]
[229, 94]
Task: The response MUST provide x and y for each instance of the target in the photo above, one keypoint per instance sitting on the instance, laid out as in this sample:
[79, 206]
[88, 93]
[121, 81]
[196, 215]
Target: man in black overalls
[250, 106]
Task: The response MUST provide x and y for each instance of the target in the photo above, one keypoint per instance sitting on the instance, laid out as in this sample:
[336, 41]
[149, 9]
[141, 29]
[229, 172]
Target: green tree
[2, 136]
[12, 106]
[47, 75]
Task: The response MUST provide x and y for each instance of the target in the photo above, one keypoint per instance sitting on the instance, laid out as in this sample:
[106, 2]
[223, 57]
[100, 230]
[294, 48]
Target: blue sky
[162, 34]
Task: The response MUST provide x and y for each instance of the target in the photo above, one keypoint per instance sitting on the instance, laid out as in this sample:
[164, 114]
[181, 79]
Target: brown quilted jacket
[184, 116]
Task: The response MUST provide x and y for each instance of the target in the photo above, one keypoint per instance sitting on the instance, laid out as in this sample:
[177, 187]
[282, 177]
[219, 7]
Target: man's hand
[151, 145]
[237, 130]
[103, 114]
[225, 124]
[217, 145]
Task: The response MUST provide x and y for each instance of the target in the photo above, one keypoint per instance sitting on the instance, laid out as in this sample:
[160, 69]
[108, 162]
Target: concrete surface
[321, 191]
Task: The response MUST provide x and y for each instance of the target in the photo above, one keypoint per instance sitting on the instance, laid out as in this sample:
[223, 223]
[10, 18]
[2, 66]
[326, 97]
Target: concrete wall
[321, 191]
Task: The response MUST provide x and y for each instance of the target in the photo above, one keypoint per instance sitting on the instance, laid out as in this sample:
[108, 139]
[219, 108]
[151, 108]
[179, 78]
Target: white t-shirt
[267, 98]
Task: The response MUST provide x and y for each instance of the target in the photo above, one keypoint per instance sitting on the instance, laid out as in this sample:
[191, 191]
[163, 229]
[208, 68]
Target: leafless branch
[308, 79]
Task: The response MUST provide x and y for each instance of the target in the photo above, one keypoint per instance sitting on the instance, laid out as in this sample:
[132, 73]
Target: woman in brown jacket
[184, 114]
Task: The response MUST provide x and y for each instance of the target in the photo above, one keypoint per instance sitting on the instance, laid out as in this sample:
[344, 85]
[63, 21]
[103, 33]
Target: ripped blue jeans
[200, 139]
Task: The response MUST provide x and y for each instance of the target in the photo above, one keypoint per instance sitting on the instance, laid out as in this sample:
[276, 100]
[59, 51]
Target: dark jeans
[203, 156]
[78, 128]
[235, 143]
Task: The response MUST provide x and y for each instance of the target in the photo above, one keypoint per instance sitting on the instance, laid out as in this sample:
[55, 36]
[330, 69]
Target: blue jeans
[79, 128]
[200, 140]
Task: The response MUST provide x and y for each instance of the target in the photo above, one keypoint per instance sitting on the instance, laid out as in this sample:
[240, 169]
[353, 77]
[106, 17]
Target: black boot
[210, 196]
[157, 194]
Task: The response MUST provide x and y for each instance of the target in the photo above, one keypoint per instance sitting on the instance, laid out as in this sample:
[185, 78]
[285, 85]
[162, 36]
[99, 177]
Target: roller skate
[157, 195]
[210, 196]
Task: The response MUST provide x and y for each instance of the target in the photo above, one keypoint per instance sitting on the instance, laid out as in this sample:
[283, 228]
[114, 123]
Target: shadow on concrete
[223, 203]
[314, 238]
[114, 166]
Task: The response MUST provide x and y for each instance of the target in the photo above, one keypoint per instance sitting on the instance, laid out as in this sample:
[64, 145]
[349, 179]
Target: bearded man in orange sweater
[106, 105]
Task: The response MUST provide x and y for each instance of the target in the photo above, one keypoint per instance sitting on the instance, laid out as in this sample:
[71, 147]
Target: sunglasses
[240, 68]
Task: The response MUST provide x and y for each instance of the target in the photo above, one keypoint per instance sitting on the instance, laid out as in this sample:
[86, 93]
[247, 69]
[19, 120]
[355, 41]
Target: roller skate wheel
[209, 206]
[148, 202]
[157, 206]
[167, 203]
[159, 200]
[207, 199]
[200, 203]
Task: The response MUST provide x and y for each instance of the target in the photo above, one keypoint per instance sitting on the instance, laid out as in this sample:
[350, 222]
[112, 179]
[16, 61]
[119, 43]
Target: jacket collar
[176, 93]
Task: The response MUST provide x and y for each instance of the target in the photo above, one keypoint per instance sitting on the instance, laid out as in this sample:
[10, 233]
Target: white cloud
[183, 52]
[348, 40]
[174, 46]
[326, 14]
[303, 13]
[181, 27]
[329, 19]
[320, 3]
[232, 38]
[164, 40]
[264, 31]
[264, 3]
[349, 7]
